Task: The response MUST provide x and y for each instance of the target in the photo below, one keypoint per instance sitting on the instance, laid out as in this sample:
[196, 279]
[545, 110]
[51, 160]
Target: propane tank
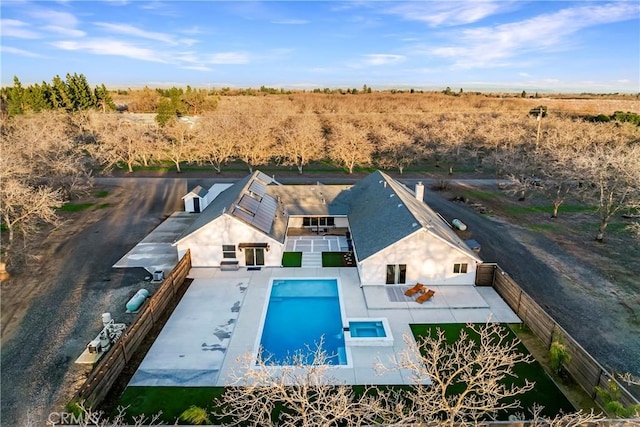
[106, 319]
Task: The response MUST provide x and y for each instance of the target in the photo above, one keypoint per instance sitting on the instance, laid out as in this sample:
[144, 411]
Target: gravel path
[50, 313]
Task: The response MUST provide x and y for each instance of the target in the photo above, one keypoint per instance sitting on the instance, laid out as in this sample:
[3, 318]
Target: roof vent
[399, 205]
[391, 195]
[414, 225]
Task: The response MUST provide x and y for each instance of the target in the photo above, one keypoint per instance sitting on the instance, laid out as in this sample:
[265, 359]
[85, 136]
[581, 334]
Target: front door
[254, 256]
[196, 204]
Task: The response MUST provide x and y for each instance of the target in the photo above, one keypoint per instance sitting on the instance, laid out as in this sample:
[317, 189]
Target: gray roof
[198, 191]
[381, 211]
[384, 211]
[318, 199]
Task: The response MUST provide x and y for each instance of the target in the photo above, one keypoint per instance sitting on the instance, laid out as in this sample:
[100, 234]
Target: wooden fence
[104, 375]
[584, 369]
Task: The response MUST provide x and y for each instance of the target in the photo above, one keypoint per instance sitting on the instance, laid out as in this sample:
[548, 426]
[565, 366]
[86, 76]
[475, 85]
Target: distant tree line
[71, 94]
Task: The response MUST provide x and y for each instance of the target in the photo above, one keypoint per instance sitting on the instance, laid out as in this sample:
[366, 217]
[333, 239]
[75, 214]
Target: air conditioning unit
[158, 275]
[94, 347]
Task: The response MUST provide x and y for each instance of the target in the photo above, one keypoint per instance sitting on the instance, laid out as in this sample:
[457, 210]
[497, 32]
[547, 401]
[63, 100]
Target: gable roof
[198, 191]
[383, 211]
[246, 200]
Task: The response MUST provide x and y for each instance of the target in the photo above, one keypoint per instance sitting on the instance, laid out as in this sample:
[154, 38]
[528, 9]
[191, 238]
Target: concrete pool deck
[219, 319]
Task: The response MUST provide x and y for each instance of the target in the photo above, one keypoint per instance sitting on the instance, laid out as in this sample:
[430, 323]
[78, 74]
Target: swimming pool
[299, 314]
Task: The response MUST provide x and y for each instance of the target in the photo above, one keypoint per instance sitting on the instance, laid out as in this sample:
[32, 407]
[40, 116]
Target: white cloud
[21, 52]
[100, 46]
[55, 17]
[130, 30]
[17, 29]
[448, 13]
[382, 59]
[197, 68]
[497, 46]
[227, 58]
[290, 22]
[64, 31]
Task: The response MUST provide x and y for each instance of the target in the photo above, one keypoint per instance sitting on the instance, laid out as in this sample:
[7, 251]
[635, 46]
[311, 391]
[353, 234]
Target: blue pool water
[299, 313]
[363, 329]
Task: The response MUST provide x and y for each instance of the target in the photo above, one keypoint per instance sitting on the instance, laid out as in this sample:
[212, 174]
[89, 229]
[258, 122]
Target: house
[394, 237]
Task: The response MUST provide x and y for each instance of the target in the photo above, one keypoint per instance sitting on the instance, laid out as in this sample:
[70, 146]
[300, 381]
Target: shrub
[559, 356]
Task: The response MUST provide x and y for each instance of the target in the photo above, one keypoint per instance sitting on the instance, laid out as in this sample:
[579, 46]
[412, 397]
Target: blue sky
[583, 46]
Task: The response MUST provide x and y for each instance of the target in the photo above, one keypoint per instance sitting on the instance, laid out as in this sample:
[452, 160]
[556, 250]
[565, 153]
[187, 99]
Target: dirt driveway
[51, 310]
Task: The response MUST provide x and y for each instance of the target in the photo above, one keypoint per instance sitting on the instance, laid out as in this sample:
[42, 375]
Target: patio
[219, 319]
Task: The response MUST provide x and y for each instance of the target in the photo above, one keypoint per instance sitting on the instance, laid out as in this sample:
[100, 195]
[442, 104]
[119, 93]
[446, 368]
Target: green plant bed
[101, 194]
[171, 401]
[292, 259]
[336, 259]
[69, 207]
[545, 392]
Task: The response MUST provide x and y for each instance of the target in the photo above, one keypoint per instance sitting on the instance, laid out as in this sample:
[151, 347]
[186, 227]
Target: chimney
[420, 191]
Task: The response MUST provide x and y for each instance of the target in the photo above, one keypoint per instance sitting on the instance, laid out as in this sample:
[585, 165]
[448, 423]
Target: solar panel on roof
[249, 203]
[264, 216]
[265, 178]
[258, 188]
[243, 215]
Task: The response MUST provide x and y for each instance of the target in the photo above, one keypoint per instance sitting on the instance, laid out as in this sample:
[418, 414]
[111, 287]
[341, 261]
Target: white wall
[429, 261]
[206, 243]
[188, 203]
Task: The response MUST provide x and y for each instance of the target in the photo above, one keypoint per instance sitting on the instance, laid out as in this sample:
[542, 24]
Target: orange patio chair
[427, 295]
[419, 287]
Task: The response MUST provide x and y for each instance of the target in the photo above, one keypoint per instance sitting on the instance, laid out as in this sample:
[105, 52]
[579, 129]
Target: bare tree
[24, 207]
[216, 138]
[610, 175]
[255, 138]
[349, 144]
[396, 148]
[302, 393]
[119, 142]
[299, 140]
[178, 143]
[576, 419]
[463, 380]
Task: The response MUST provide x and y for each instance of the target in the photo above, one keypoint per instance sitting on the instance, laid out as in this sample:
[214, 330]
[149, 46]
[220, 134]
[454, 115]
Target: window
[228, 251]
[460, 268]
[396, 274]
[323, 221]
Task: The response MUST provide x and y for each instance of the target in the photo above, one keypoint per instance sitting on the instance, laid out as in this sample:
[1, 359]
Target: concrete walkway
[220, 319]
[155, 252]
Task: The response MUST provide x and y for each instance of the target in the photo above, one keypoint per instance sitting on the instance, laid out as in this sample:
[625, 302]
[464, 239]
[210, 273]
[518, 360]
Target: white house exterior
[196, 200]
[395, 237]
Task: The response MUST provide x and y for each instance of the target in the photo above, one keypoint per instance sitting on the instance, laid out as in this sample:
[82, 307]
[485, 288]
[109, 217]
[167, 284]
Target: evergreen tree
[60, 97]
[15, 98]
[103, 98]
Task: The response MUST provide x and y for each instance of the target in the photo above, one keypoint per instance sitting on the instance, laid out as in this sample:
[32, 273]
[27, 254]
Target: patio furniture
[427, 295]
[419, 287]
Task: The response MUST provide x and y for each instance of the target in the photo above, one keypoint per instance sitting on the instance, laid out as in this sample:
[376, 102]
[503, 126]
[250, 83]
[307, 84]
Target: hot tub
[368, 332]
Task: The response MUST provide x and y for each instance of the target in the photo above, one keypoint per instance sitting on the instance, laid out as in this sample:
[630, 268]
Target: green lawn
[292, 259]
[71, 207]
[523, 210]
[172, 401]
[545, 392]
[336, 259]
